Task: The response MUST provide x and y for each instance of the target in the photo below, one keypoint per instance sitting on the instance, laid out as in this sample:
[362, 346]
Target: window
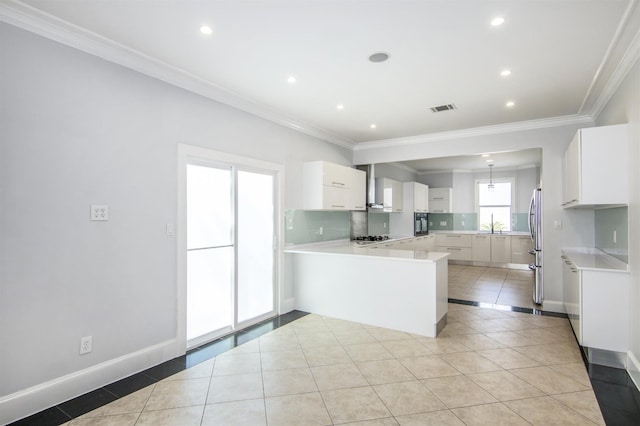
[494, 207]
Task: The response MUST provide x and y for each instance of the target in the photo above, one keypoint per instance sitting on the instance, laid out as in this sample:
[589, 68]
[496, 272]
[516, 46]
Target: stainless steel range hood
[372, 205]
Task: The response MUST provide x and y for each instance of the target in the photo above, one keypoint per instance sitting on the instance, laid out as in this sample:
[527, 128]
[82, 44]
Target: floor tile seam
[490, 403]
[585, 420]
[573, 409]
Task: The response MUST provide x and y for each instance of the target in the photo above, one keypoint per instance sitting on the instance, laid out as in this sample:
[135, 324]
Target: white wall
[624, 107]
[78, 130]
[553, 141]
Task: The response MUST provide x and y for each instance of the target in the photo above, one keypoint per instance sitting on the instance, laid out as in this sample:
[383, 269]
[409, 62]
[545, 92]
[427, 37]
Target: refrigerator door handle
[532, 217]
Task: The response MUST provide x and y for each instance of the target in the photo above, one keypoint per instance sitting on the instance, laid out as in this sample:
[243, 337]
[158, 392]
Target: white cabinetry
[481, 248]
[457, 245]
[328, 186]
[425, 242]
[416, 197]
[500, 248]
[571, 295]
[596, 303]
[440, 200]
[389, 192]
[596, 167]
[520, 246]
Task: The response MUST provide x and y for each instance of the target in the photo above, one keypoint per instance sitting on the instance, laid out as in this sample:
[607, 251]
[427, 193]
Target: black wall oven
[420, 224]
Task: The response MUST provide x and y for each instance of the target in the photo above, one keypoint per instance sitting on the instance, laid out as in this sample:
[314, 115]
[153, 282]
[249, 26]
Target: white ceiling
[441, 52]
[500, 160]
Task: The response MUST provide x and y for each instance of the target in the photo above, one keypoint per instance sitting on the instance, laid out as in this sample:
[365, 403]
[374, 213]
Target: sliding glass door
[230, 249]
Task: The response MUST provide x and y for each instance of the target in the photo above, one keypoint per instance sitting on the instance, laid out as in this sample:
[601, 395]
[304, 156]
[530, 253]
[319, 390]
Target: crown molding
[629, 59]
[477, 131]
[403, 167]
[31, 19]
[473, 171]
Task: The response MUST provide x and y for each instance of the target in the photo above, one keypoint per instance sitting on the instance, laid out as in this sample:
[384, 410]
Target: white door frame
[198, 155]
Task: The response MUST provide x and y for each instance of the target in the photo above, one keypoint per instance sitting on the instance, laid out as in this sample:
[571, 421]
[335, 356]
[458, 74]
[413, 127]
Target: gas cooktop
[368, 239]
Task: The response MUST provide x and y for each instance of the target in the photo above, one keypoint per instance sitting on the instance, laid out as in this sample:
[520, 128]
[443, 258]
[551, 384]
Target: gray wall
[78, 130]
[463, 184]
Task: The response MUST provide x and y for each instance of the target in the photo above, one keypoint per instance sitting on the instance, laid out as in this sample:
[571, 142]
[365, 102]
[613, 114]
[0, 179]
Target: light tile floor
[511, 287]
[487, 367]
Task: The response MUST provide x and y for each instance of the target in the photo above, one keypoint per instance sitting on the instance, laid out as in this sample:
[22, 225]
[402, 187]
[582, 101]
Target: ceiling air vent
[441, 108]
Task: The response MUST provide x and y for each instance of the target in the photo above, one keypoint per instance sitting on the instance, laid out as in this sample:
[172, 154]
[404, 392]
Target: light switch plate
[99, 212]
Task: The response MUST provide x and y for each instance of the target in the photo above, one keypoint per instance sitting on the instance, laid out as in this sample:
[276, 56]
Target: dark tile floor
[617, 396]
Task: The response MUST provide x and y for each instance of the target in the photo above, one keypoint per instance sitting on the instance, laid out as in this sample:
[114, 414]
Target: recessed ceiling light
[505, 73]
[373, 126]
[497, 21]
[205, 29]
[486, 155]
[489, 161]
[510, 104]
[340, 106]
[379, 57]
[291, 79]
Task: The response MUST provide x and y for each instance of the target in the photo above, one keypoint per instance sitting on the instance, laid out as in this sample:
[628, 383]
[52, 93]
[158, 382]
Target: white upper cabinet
[357, 189]
[596, 170]
[416, 197]
[389, 193]
[440, 200]
[328, 186]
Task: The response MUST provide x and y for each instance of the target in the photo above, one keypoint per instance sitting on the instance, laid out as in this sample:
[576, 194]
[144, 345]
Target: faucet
[492, 223]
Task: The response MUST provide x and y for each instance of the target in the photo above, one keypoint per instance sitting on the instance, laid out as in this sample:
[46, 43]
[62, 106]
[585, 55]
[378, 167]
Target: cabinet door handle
[334, 205]
[337, 183]
[454, 248]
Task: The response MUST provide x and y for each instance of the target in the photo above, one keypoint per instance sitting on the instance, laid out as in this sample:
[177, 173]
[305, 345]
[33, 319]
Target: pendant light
[491, 187]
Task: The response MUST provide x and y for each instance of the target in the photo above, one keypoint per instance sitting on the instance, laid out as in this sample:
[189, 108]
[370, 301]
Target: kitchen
[115, 143]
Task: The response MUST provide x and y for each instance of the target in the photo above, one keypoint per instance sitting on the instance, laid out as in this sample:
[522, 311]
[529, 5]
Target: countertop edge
[616, 264]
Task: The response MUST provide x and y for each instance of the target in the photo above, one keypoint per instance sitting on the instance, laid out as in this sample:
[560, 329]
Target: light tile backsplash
[606, 222]
[379, 224]
[469, 222]
[303, 226]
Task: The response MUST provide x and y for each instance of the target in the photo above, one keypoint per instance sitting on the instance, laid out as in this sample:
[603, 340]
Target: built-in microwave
[421, 224]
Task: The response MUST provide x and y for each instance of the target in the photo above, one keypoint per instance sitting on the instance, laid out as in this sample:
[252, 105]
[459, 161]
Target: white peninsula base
[398, 289]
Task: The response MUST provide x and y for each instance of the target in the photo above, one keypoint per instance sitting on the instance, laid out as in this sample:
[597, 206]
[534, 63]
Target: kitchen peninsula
[404, 290]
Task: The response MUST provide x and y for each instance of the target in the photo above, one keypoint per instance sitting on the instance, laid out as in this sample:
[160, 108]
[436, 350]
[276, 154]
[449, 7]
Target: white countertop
[345, 247]
[585, 258]
[516, 233]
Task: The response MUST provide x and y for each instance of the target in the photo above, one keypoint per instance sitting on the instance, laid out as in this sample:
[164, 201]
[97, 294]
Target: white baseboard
[287, 305]
[553, 306]
[633, 368]
[37, 398]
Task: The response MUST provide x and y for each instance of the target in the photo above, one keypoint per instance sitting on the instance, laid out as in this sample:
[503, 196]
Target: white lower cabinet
[481, 248]
[457, 245]
[520, 246]
[596, 303]
[500, 248]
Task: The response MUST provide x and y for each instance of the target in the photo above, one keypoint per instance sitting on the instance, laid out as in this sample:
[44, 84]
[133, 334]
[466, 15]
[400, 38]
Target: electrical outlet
[321, 231]
[86, 345]
[615, 236]
[443, 223]
[99, 212]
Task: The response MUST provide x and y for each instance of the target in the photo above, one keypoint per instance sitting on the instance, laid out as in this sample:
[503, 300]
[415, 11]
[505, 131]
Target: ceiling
[500, 160]
[441, 52]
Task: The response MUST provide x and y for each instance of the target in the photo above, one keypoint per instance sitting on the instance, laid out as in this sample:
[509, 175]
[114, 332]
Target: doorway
[229, 235]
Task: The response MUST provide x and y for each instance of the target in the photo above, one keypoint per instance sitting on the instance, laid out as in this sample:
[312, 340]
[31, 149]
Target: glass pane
[209, 219]
[500, 196]
[210, 280]
[255, 244]
[501, 217]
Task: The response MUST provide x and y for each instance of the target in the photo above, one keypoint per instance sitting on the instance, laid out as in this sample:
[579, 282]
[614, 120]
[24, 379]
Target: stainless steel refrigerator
[535, 229]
